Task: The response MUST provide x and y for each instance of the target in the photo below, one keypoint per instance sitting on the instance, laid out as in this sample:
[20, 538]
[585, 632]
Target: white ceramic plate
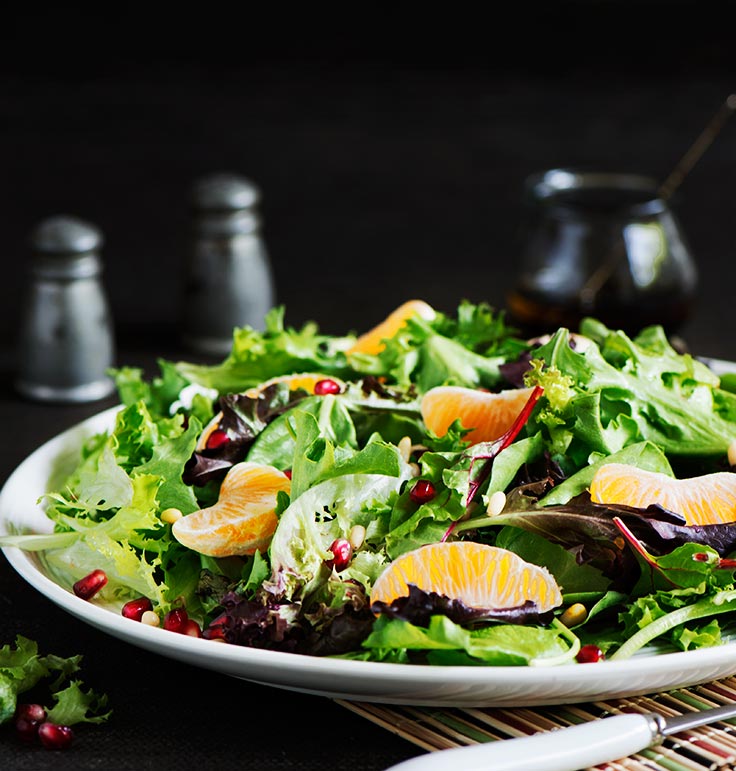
[354, 680]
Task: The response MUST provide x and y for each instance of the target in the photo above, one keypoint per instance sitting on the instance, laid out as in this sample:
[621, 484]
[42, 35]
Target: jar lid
[65, 235]
[224, 192]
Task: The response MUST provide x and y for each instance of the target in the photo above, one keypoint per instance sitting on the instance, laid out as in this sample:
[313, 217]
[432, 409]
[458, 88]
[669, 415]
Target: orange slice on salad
[243, 520]
[373, 341]
[478, 575]
[489, 415]
[313, 382]
[705, 500]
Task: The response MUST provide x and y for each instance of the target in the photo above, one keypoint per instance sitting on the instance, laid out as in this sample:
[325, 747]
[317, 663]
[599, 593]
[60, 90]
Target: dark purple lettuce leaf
[342, 628]
[322, 630]
[243, 418]
[513, 372]
[419, 606]
[259, 623]
[372, 385]
[588, 531]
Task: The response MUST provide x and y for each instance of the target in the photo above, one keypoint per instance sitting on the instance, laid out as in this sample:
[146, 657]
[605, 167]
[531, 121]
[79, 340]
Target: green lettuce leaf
[499, 645]
[23, 668]
[622, 391]
[259, 356]
[75, 705]
[313, 520]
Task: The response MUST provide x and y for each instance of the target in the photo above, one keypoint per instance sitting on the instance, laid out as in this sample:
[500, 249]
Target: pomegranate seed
[31, 712]
[214, 633]
[191, 628]
[700, 556]
[590, 654]
[87, 587]
[217, 439]
[343, 553]
[55, 737]
[422, 492]
[27, 719]
[176, 620]
[216, 628]
[326, 386]
[136, 608]
[287, 473]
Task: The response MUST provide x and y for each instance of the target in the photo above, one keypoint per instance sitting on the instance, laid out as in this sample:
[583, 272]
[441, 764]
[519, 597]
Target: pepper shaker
[66, 344]
[228, 279]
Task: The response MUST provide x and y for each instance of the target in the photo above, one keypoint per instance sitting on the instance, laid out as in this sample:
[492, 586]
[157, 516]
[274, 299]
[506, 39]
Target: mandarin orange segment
[705, 500]
[478, 575]
[489, 415]
[372, 342]
[305, 380]
[243, 520]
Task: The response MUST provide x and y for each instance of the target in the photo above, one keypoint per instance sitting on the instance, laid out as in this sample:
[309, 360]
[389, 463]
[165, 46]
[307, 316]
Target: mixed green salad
[361, 460]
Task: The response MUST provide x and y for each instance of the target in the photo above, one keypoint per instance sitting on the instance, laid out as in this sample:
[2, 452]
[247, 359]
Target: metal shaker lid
[225, 192]
[226, 206]
[65, 248]
[65, 235]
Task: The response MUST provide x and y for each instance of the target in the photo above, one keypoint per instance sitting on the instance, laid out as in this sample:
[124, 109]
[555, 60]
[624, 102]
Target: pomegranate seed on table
[87, 587]
[136, 608]
[176, 620]
[422, 492]
[55, 737]
[343, 553]
[590, 654]
[326, 386]
[217, 439]
[28, 717]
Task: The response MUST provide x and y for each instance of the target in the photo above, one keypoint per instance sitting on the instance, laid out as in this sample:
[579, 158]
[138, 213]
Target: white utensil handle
[563, 749]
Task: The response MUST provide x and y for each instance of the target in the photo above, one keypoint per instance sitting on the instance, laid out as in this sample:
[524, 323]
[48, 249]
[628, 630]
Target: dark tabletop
[391, 166]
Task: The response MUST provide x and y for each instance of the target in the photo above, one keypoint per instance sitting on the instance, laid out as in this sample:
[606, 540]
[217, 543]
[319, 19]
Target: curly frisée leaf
[75, 705]
[22, 668]
[259, 356]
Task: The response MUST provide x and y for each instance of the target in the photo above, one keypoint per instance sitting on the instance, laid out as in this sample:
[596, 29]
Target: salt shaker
[228, 279]
[66, 343]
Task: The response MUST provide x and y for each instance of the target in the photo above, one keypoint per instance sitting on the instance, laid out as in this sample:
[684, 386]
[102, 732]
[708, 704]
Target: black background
[390, 147]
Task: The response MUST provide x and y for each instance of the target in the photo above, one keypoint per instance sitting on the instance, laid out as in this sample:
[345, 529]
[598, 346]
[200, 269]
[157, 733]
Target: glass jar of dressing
[604, 245]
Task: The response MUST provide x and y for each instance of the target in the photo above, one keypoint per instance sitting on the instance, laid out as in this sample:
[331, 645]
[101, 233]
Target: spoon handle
[564, 749]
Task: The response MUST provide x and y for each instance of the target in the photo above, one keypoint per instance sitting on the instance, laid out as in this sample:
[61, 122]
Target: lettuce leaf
[23, 668]
[499, 645]
[279, 350]
[622, 391]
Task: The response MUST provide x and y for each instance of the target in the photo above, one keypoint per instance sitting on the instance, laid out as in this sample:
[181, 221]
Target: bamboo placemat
[703, 749]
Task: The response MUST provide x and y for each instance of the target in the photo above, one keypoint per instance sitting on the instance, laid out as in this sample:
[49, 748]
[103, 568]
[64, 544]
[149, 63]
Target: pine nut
[171, 515]
[357, 536]
[732, 453]
[150, 618]
[404, 446]
[496, 503]
[574, 615]
[415, 470]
